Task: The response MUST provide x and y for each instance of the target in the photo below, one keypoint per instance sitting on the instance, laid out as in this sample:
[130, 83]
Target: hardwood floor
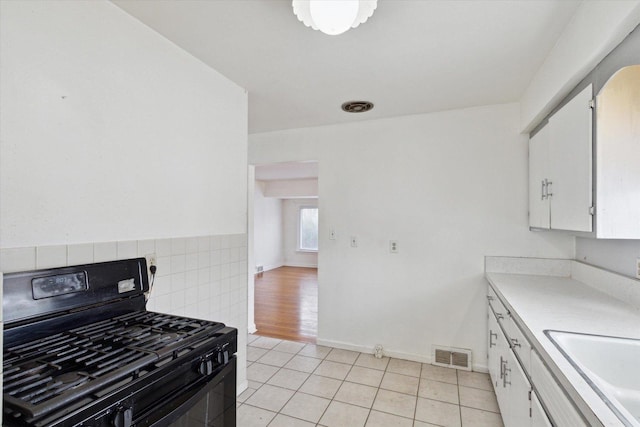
[286, 304]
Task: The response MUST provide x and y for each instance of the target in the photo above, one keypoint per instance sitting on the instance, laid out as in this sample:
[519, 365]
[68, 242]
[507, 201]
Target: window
[308, 230]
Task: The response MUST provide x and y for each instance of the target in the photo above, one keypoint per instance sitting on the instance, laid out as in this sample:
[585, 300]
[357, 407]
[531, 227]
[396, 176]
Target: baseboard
[480, 368]
[369, 350]
[242, 387]
[252, 328]
[389, 353]
[271, 267]
[300, 264]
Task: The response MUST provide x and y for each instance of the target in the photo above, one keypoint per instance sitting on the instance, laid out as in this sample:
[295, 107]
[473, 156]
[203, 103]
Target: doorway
[283, 250]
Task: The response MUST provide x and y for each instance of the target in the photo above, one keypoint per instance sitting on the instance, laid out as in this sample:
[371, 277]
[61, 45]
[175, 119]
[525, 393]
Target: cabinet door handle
[549, 184]
[491, 335]
[504, 377]
[515, 342]
[490, 298]
[542, 189]
[502, 366]
[499, 316]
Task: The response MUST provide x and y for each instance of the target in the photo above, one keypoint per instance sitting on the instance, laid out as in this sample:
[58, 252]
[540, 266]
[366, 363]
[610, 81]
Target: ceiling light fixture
[357, 106]
[333, 17]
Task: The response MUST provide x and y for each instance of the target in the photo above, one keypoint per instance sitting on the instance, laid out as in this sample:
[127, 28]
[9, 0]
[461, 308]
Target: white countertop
[542, 302]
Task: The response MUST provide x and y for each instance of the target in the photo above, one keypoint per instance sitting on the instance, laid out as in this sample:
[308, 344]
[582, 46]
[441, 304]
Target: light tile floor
[295, 385]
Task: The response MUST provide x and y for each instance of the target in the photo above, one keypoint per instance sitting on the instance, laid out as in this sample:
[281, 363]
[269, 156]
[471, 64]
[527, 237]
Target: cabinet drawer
[520, 344]
[497, 306]
[558, 405]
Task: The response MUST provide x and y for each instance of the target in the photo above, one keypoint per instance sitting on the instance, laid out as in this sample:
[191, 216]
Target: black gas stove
[80, 349]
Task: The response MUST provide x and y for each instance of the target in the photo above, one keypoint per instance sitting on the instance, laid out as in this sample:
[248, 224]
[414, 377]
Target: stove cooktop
[85, 363]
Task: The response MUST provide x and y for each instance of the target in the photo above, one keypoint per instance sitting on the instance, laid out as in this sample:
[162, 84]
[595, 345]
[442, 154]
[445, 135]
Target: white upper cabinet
[563, 169]
[570, 154]
[539, 215]
[560, 168]
[618, 156]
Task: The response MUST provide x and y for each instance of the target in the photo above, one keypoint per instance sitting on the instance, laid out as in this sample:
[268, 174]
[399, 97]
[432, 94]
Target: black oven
[80, 349]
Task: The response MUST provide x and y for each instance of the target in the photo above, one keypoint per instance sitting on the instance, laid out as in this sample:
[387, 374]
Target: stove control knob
[223, 355]
[206, 367]
[123, 418]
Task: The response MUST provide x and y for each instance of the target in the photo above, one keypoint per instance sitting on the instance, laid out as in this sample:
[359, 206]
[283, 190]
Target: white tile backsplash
[191, 261]
[204, 259]
[51, 256]
[191, 245]
[146, 247]
[163, 247]
[178, 246]
[204, 244]
[178, 263]
[80, 254]
[216, 243]
[17, 259]
[105, 251]
[127, 250]
[165, 262]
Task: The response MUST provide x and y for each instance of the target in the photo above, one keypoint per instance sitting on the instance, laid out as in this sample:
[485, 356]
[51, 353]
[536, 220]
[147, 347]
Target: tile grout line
[415, 410]
[344, 380]
[459, 399]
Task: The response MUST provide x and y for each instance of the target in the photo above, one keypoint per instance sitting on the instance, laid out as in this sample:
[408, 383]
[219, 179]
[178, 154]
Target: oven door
[208, 405]
[176, 395]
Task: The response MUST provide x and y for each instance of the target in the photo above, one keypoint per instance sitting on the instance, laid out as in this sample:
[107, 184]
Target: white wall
[111, 132]
[268, 229]
[291, 188]
[450, 187]
[108, 133]
[290, 218]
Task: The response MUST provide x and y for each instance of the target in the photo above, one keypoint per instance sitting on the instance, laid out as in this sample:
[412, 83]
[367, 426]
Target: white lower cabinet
[519, 377]
[538, 416]
[509, 380]
[519, 390]
[495, 338]
[559, 407]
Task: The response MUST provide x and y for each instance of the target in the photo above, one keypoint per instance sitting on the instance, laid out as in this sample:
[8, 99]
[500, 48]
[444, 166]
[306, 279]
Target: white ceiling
[411, 56]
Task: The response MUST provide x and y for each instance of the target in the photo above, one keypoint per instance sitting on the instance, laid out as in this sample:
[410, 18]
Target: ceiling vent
[458, 358]
[357, 106]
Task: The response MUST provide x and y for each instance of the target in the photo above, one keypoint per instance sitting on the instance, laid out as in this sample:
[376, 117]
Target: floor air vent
[458, 358]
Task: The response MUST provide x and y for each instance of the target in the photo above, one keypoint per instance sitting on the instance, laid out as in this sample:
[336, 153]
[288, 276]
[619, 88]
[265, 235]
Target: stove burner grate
[45, 374]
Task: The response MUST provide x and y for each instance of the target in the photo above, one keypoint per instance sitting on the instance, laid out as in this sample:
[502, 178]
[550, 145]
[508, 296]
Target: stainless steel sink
[610, 365]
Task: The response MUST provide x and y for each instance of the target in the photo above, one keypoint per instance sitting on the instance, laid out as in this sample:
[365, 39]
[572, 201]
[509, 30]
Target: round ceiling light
[333, 17]
[357, 106]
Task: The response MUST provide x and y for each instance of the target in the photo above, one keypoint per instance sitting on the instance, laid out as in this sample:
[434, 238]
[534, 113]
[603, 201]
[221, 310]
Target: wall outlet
[393, 246]
[638, 268]
[332, 234]
[151, 259]
[378, 351]
[354, 242]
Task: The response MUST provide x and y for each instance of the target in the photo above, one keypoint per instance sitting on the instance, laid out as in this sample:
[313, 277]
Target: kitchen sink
[610, 365]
